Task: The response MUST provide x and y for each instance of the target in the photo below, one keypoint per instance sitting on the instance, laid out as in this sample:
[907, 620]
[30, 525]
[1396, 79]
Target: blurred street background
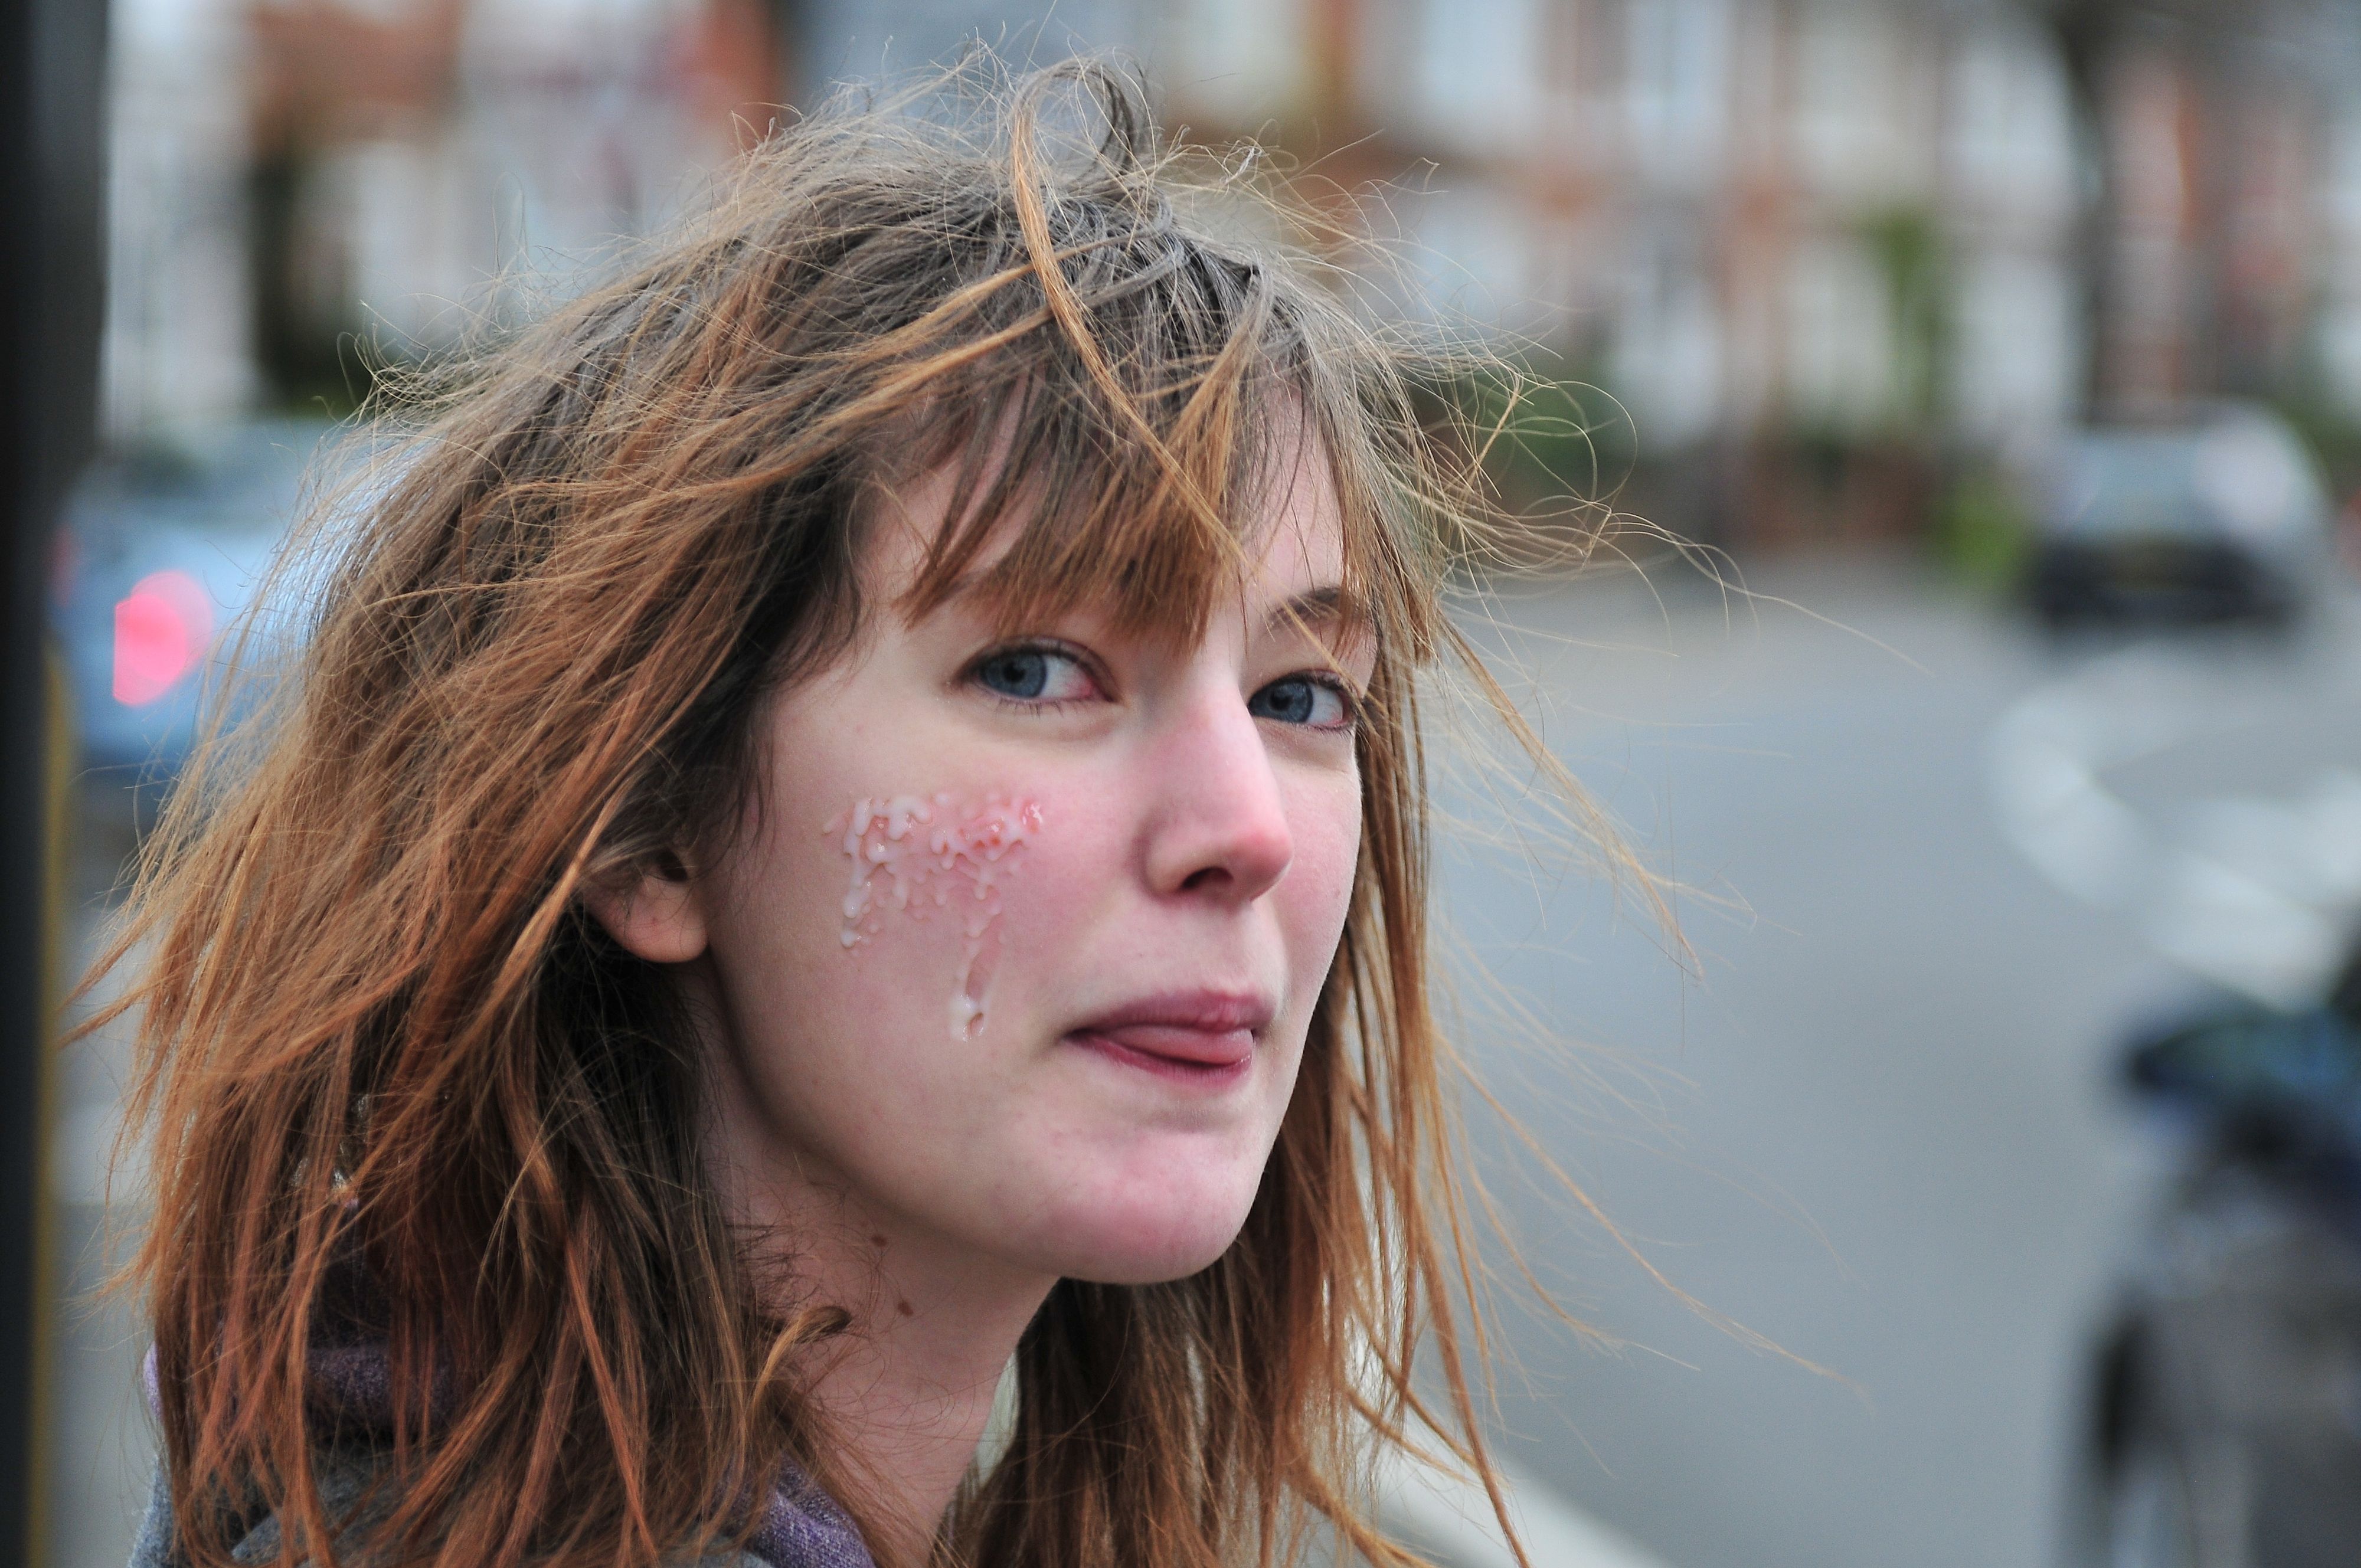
[2000, 360]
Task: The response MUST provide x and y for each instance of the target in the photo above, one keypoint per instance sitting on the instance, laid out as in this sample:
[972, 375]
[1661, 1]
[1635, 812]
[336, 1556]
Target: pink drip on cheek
[931, 857]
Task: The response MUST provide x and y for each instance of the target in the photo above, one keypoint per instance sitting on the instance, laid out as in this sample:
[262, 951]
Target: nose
[1218, 828]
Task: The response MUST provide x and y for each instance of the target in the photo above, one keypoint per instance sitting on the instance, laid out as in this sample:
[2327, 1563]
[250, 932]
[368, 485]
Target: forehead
[1029, 545]
[1298, 542]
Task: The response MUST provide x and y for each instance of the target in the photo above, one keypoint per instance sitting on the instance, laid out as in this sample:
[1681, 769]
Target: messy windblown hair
[380, 1032]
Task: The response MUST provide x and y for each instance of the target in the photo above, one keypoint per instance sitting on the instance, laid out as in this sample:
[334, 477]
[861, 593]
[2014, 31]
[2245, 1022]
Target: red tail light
[160, 631]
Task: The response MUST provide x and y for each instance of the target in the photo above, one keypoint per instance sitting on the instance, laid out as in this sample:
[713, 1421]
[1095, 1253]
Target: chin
[1116, 1267]
[1177, 1234]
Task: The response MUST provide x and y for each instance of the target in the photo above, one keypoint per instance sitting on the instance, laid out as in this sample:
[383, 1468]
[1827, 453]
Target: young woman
[848, 841]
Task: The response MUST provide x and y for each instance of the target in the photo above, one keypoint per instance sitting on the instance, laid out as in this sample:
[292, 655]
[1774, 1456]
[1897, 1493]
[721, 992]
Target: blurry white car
[2222, 516]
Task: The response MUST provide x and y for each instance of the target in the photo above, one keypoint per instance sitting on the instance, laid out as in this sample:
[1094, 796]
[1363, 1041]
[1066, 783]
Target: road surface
[1876, 1129]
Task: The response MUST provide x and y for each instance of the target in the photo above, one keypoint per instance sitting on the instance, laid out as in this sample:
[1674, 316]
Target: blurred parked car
[2227, 1420]
[2221, 517]
[160, 554]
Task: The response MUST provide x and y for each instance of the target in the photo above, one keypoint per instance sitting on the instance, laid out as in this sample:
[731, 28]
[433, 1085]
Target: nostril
[1209, 877]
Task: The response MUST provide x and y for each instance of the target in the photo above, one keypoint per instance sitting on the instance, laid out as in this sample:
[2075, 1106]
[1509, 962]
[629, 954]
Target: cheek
[1317, 892]
[931, 875]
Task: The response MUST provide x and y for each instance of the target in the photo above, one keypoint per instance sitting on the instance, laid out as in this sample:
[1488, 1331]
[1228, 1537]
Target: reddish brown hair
[381, 1036]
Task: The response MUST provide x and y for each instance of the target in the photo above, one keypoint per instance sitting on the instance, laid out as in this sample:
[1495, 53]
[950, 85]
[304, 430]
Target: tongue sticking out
[933, 857]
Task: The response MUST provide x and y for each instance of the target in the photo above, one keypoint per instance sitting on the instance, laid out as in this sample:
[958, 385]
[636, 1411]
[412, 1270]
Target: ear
[652, 913]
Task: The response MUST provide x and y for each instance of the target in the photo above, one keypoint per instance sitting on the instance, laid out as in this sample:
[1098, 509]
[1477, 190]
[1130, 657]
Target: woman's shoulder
[348, 1489]
[345, 1483]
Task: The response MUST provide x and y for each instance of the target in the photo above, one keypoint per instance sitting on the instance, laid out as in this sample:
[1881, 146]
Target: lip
[1199, 1037]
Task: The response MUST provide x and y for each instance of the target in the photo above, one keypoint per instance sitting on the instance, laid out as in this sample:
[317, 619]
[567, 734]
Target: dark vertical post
[52, 94]
[24, 726]
[2084, 31]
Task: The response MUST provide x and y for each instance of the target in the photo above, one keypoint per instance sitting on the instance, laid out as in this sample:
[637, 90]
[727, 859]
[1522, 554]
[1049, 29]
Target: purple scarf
[802, 1527]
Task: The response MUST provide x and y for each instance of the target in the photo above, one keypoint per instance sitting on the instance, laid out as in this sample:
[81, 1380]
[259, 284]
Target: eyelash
[1346, 698]
[1035, 705]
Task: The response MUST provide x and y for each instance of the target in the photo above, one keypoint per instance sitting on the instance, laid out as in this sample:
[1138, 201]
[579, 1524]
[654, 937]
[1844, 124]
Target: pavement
[1860, 1185]
[101, 1443]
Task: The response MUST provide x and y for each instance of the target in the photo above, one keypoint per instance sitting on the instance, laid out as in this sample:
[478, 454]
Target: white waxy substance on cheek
[913, 855]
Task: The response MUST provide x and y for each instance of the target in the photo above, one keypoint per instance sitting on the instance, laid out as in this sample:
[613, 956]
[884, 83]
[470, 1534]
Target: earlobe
[653, 915]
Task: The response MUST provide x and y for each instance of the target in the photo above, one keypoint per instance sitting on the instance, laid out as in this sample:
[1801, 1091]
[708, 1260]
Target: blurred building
[304, 186]
[1791, 236]
[1837, 248]
[1837, 217]
[1818, 253]
[178, 343]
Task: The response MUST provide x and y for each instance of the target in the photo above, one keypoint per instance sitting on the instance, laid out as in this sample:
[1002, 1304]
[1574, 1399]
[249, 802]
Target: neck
[904, 1393]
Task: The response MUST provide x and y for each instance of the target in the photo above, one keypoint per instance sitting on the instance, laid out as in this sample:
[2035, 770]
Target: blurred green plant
[2328, 427]
[1546, 444]
[1981, 530]
[1555, 453]
[1911, 257]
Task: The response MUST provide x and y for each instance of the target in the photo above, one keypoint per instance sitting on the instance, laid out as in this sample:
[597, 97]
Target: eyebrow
[1314, 605]
[1328, 606]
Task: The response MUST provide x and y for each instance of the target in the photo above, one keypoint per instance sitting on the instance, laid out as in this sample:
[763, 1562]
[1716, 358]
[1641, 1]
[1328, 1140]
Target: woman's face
[1017, 950]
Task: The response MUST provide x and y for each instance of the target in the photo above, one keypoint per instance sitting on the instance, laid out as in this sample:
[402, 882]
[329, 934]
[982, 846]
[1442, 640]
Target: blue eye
[1302, 699]
[1019, 672]
[1034, 674]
